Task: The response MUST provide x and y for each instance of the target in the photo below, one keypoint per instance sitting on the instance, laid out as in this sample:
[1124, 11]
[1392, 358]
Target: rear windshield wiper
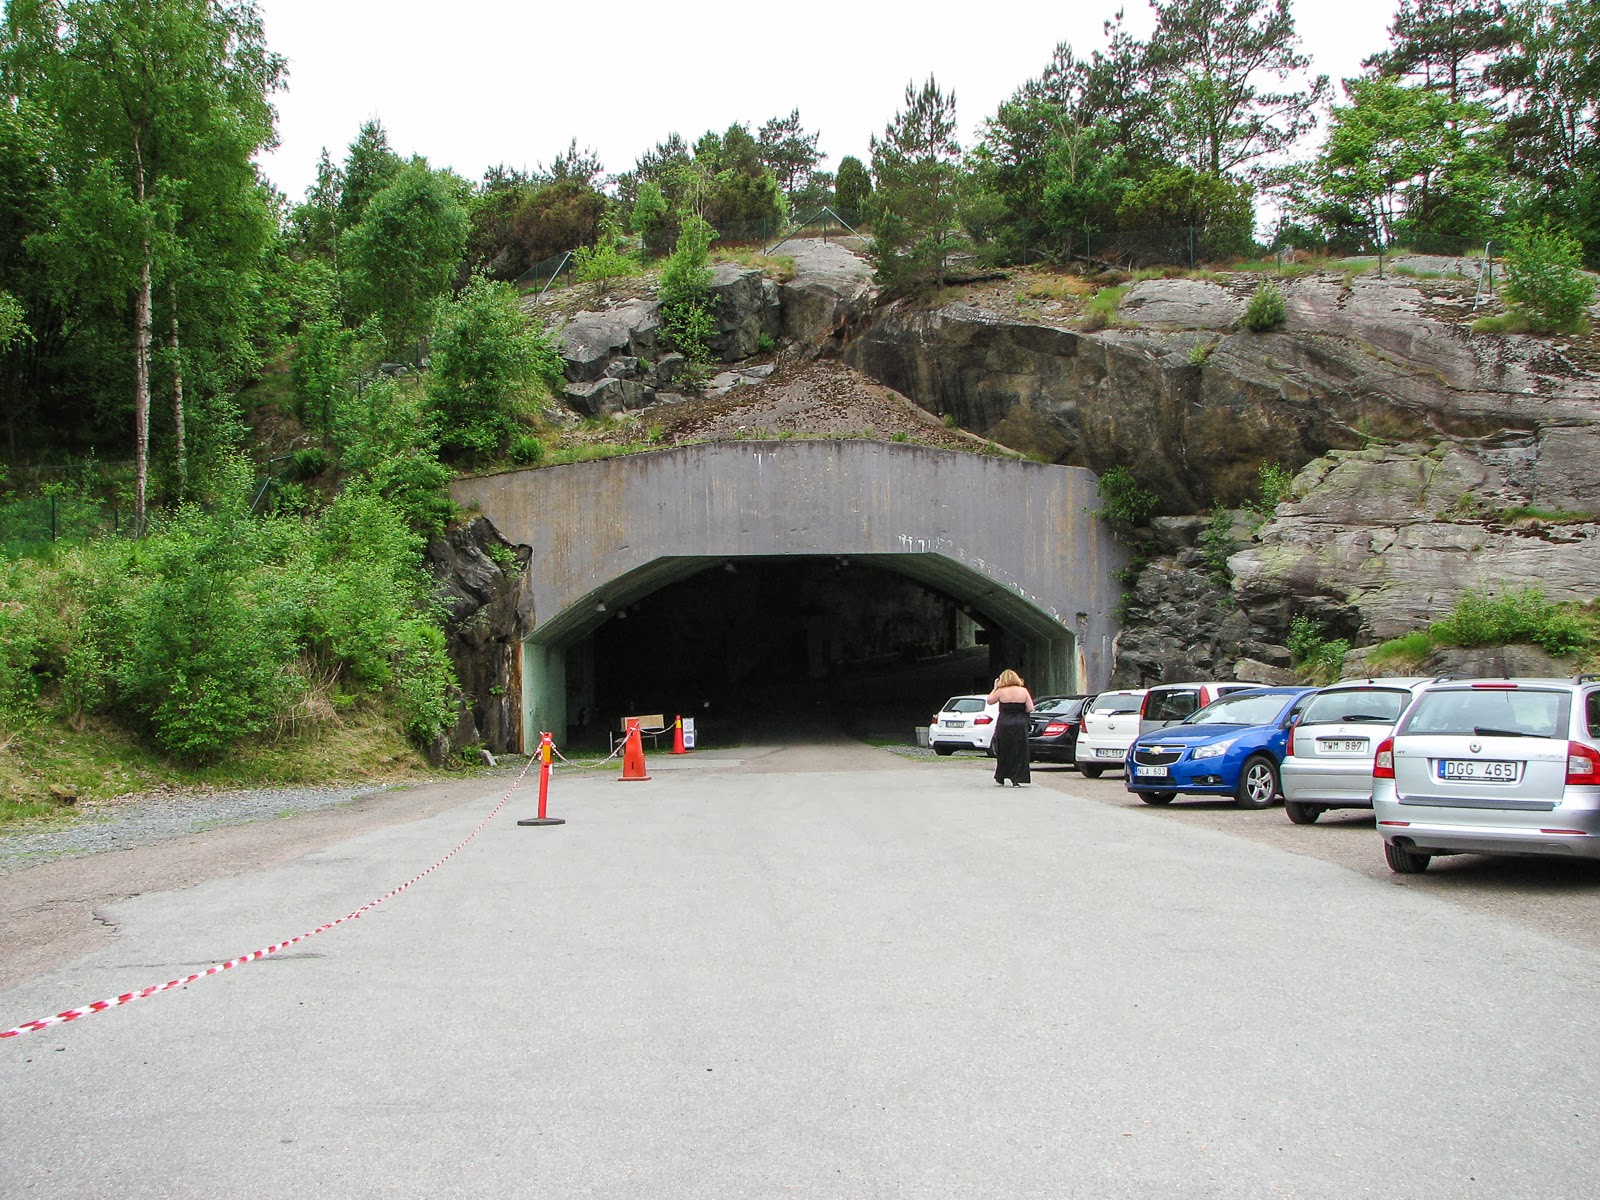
[1365, 718]
[1483, 731]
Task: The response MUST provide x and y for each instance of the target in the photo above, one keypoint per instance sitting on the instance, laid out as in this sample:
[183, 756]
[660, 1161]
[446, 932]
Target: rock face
[475, 572]
[1194, 410]
[1393, 535]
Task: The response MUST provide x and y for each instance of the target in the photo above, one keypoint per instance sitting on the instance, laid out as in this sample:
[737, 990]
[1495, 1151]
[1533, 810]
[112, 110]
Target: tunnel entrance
[783, 648]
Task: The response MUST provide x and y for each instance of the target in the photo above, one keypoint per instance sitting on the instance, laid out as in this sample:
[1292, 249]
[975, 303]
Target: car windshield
[1060, 704]
[964, 704]
[1110, 704]
[1356, 706]
[1491, 712]
[1245, 709]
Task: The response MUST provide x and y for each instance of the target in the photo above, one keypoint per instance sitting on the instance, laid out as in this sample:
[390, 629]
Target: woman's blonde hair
[1009, 678]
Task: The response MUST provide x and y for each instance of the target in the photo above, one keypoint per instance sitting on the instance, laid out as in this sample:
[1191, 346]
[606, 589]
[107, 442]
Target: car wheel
[1156, 797]
[1258, 784]
[944, 751]
[1303, 814]
[1405, 861]
[1091, 772]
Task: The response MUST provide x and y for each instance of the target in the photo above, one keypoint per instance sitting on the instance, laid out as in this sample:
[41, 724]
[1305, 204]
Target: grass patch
[1546, 516]
[1100, 312]
[1401, 655]
[102, 762]
[1516, 322]
[1479, 619]
[777, 267]
[1056, 287]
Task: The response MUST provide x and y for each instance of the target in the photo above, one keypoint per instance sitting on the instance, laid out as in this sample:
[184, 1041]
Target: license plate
[1101, 752]
[1342, 745]
[1474, 768]
[1152, 772]
[954, 724]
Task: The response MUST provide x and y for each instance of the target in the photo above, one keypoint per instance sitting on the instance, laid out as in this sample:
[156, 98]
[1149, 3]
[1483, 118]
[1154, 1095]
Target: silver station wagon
[1491, 766]
[1328, 760]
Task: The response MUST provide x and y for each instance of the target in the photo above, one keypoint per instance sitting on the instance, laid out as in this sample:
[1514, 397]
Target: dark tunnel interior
[784, 648]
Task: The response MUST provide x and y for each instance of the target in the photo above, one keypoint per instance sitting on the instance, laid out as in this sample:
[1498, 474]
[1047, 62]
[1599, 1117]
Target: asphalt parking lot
[1553, 896]
[826, 972]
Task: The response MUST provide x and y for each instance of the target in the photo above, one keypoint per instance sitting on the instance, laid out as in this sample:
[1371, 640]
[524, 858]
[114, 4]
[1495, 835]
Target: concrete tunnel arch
[1018, 542]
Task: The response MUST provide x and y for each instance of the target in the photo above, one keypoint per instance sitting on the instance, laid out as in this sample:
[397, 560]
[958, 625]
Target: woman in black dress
[1011, 730]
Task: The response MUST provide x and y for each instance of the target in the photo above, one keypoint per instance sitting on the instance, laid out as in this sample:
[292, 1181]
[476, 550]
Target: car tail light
[1288, 747]
[1056, 727]
[1583, 764]
[1494, 687]
[1144, 705]
[983, 721]
[1383, 760]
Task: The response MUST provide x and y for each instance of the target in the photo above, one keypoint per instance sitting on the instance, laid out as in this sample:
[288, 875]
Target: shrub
[1200, 353]
[1124, 500]
[685, 293]
[1480, 619]
[1276, 483]
[1266, 310]
[527, 450]
[606, 260]
[1216, 541]
[1320, 657]
[1545, 283]
[309, 462]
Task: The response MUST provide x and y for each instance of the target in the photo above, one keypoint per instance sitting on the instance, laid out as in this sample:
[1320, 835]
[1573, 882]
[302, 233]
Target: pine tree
[916, 163]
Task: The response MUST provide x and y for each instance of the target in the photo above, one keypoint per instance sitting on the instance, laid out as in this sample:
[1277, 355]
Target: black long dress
[1011, 744]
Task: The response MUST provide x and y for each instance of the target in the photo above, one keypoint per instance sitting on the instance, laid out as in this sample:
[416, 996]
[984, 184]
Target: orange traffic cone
[677, 737]
[633, 754]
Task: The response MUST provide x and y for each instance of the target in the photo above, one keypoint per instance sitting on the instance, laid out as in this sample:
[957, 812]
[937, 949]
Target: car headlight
[1215, 749]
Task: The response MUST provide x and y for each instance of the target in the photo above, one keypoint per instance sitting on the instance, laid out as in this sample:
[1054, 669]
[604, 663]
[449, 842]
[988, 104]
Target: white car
[1110, 723]
[1328, 761]
[964, 723]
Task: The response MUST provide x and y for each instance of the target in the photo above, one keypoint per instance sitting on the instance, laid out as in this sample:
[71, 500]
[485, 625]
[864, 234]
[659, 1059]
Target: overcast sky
[477, 82]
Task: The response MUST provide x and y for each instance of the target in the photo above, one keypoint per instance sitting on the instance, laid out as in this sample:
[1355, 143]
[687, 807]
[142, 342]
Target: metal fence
[28, 521]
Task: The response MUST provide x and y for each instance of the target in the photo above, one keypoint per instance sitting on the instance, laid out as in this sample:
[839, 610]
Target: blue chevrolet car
[1231, 747]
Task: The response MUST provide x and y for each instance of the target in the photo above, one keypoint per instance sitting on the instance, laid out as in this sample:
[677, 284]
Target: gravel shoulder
[54, 884]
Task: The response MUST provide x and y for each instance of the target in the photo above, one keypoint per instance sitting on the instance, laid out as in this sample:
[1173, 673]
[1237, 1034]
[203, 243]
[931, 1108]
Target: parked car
[964, 723]
[1232, 746]
[1491, 766]
[1327, 762]
[1168, 703]
[1053, 728]
[1109, 723]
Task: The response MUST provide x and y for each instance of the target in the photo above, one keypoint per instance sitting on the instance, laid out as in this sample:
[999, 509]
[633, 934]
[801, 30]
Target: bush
[1320, 657]
[309, 462]
[685, 293]
[1124, 500]
[1266, 310]
[1276, 483]
[528, 450]
[1545, 283]
[1216, 541]
[1480, 619]
[606, 260]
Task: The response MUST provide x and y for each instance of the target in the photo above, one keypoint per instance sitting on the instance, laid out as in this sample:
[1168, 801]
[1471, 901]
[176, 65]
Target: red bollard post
[546, 747]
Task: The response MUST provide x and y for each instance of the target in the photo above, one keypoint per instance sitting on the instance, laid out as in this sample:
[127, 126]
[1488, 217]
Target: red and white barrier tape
[72, 1014]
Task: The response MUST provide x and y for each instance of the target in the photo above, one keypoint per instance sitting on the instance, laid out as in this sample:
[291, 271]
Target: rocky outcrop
[747, 309]
[1392, 535]
[475, 574]
[1194, 409]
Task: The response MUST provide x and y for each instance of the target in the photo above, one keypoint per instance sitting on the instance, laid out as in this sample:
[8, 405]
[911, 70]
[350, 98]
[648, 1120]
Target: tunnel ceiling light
[599, 608]
[730, 568]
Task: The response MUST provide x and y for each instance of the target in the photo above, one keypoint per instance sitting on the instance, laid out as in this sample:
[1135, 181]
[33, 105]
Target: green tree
[852, 187]
[1444, 46]
[156, 111]
[489, 365]
[789, 152]
[1402, 160]
[404, 252]
[369, 167]
[1207, 58]
[917, 166]
[1175, 196]
[652, 219]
